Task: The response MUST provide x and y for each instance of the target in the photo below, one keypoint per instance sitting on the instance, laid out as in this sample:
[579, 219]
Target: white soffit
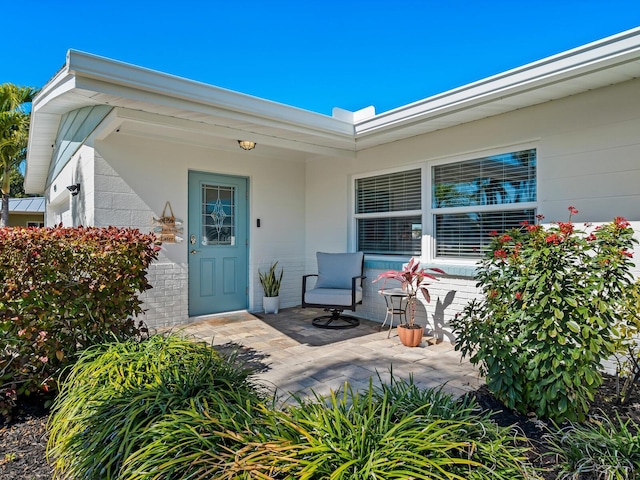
[605, 62]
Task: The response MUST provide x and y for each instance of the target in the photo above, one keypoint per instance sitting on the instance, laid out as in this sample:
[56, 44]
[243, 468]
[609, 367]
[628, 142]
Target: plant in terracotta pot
[270, 282]
[413, 279]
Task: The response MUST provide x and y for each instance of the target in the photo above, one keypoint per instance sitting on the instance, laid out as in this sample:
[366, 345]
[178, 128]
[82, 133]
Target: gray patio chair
[338, 287]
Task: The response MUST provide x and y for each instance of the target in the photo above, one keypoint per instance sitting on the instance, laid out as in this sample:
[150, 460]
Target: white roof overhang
[153, 103]
[174, 104]
[605, 62]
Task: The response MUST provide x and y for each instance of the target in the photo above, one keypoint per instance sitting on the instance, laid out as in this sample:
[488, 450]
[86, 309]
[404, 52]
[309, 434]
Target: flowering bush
[552, 300]
[61, 290]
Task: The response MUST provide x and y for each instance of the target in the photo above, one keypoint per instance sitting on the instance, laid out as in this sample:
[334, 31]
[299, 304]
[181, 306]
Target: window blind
[392, 235]
[469, 234]
[394, 192]
[496, 180]
[380, 202]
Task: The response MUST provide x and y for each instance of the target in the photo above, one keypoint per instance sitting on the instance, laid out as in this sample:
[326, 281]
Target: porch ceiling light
[247, 144]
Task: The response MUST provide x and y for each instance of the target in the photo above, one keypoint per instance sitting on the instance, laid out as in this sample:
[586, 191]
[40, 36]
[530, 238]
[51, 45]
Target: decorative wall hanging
[167, 227]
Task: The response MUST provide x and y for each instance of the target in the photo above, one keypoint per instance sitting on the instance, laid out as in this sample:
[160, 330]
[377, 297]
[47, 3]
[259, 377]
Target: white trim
[148, 80]
[593, 57]
[485, 152]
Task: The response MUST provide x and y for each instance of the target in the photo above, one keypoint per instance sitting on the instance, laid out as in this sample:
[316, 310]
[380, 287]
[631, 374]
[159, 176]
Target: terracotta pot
[410, 336]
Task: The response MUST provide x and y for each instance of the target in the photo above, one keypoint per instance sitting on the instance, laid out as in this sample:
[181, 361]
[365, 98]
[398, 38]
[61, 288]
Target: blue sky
[314, 55]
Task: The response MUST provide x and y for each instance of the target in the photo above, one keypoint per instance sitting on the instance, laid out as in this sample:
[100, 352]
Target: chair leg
[335, 321]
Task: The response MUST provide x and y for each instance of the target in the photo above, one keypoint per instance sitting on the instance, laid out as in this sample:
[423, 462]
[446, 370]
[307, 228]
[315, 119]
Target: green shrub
[552, 300]
[357, 436]
[149, 409]
[628, 347]
[61, 290]
[172, 409]
[598, 449]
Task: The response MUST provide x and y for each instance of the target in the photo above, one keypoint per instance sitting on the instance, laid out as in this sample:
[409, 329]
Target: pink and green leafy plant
[413, 279]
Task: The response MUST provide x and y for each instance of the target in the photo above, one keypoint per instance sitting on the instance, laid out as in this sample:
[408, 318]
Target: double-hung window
[388, 212]
[472, 198]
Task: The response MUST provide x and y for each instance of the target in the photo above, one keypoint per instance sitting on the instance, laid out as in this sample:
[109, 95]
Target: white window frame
[353, 234]
[428, 245]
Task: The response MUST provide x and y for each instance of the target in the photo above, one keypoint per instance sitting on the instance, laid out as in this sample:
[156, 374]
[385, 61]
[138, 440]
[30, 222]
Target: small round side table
[391, 296]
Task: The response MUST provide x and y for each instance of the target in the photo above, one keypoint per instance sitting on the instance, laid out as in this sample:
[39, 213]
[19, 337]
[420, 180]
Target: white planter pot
[271, 304]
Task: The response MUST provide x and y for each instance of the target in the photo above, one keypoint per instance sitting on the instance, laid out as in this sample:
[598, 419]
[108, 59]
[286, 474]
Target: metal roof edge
[133, 76]
[548, 70]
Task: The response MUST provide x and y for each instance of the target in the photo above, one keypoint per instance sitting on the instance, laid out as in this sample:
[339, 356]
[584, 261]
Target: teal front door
[218, 243]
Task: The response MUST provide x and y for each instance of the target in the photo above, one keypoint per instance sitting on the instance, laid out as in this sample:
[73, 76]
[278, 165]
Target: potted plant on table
[270, 282]
[413, 279]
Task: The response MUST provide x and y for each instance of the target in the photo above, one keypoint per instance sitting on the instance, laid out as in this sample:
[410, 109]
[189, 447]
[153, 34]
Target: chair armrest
[304, 281]
[353, 288]
[304, 284]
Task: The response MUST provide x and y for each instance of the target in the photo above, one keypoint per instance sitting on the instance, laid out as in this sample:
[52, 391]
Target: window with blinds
[388, 213]
[470, 199]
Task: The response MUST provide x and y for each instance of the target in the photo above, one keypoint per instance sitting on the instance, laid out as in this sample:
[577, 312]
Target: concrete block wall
[115, 202]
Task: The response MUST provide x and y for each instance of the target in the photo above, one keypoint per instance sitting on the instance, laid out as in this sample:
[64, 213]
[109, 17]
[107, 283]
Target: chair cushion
[335, 270]
[331, 296]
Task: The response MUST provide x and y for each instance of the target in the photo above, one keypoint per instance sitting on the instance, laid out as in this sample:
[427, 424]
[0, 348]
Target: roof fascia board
[131, 76]
[590, 58]
[88, 85]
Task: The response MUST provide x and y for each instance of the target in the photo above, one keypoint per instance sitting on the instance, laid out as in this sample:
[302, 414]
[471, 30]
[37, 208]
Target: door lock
[192, 239]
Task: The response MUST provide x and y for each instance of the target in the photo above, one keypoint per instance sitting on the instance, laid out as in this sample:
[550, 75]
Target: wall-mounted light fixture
[247, 144]
[74, 189]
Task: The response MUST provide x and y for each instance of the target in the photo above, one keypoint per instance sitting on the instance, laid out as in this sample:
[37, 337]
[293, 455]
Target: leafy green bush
[366, 435]
[61, 290]
[149, 409]
[598, 449]
[628, 347]
[552, 300]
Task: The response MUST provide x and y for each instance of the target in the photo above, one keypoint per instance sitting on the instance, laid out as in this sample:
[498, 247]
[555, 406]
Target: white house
[428, 179]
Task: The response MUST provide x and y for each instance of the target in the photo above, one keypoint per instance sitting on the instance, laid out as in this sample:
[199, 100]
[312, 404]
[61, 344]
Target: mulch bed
[23, 440]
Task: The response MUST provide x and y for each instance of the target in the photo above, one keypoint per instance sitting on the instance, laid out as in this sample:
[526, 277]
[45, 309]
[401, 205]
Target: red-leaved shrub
[62, 290]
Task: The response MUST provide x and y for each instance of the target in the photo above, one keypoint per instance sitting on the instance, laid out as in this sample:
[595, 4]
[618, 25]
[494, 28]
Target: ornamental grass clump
[142, 409]
[377, 433]
[598, 449]
[553, 299]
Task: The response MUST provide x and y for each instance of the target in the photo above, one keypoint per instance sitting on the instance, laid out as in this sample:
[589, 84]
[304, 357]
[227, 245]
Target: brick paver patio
[292, 356]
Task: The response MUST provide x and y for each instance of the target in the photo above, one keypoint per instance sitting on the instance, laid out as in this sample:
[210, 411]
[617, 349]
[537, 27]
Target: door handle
[193, 252]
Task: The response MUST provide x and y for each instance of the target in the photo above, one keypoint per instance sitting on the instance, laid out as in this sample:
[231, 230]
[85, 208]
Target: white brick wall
[166, 304]
[291, 288]
[116, 203]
